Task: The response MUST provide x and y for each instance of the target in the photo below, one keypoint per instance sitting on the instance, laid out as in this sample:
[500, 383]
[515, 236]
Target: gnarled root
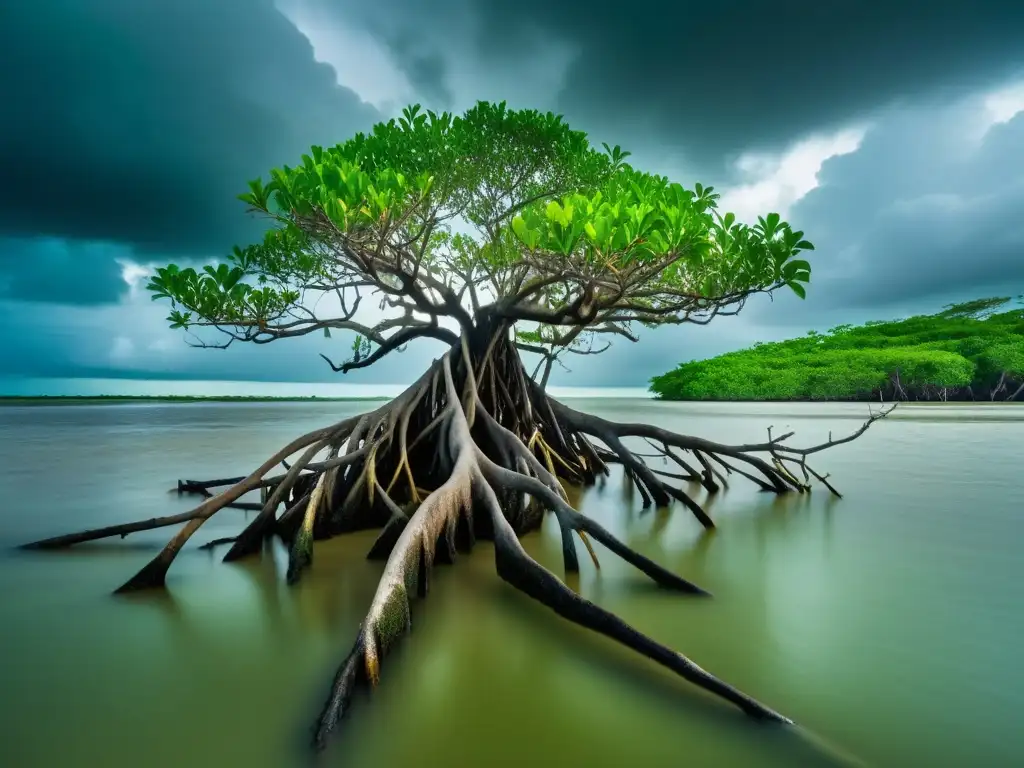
[495, 449]
[475, 477]
[776, 476]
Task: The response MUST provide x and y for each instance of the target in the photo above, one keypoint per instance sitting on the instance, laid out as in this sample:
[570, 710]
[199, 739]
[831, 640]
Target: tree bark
[998, 387]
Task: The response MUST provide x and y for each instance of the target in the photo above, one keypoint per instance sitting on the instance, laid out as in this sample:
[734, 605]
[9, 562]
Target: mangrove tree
[493, 232]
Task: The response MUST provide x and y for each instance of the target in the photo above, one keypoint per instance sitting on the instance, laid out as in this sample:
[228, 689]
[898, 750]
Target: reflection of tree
[737, 635]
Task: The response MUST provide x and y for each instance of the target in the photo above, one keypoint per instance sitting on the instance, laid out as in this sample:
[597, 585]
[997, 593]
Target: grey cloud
[139, 123]
[721, 78]
[425, 69]
[136, 124]
[131, 340]
[57, 271]
[916, 217]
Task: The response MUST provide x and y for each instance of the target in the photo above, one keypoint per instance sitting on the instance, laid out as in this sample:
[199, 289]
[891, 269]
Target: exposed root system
[472, 449]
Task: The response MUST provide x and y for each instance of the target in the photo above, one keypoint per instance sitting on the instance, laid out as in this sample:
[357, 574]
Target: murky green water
[883, 623]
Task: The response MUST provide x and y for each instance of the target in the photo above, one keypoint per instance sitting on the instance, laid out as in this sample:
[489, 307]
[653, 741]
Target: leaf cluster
[218, 292]
[514, 203]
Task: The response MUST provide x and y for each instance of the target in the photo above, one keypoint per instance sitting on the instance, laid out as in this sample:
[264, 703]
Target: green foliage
[925, 357]
[216, 292]
[380, 207]
[637, 217]
[360, 348]
[530, 337]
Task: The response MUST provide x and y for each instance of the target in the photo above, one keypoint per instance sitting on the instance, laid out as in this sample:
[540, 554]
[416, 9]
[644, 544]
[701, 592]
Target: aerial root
[406, 572]
[520, 570]
[590, 548]
[153, 573]
[352, 669]
[412, 546]
[571, 520]
[201, 488]
[122, 530]
[193, 518]
[772, 470]
[290, 520]
[388, 537]
[495, 449]
[301, 553]
[251, 539]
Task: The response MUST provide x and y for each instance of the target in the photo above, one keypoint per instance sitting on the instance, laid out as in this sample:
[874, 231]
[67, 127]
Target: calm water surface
[884, 623]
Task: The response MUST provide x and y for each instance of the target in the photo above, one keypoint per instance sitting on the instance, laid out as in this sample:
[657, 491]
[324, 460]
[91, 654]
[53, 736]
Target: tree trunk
[548, 364]
[998, 387]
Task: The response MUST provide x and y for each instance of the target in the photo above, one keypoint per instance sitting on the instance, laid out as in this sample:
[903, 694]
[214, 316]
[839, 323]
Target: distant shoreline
[28, 400]
[883, 403]
[183, 399]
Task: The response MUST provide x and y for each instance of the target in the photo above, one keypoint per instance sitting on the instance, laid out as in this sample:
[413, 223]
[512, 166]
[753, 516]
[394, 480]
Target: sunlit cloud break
[777, 181]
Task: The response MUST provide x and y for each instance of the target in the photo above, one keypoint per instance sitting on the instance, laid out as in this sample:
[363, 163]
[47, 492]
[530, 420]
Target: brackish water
[884, 623]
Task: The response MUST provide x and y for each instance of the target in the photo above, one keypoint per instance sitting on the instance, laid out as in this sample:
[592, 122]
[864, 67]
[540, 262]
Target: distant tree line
[969, 351]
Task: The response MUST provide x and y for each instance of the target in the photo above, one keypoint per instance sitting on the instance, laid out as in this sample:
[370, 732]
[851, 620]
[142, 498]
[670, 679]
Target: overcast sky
[891, 133]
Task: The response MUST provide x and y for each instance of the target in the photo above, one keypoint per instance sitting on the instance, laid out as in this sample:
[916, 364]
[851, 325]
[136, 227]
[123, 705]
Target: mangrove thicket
[972, 351]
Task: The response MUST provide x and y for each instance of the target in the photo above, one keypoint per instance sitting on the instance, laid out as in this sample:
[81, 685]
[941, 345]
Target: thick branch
[394, 342]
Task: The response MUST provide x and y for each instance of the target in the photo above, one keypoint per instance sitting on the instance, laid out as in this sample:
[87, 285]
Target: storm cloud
[711, 79]
[892, 134]
[927, 209]
[139, 123]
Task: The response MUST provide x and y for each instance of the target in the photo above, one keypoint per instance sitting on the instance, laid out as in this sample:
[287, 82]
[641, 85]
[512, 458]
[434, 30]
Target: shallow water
[883, 622]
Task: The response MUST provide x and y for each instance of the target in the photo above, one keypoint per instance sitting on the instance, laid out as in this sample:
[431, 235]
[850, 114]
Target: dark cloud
[139, 122]
[925, 213]
[131, 126]
[130, 340]
[921, 214]
[720, 78]
[58, 271]
[425, 68]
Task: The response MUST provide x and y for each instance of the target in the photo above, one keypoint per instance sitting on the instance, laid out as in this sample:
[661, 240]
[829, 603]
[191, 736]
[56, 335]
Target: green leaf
[794, 267]
[798, 289]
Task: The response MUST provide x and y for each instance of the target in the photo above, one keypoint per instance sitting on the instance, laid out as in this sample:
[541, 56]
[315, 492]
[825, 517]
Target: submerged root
[407, 571]
[476, 478]
[495, 449]
[301, 553]
[770, 475]
[520, 570]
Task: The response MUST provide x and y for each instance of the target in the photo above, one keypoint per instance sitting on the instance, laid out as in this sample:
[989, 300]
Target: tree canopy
[497, 216]
[967, 351]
